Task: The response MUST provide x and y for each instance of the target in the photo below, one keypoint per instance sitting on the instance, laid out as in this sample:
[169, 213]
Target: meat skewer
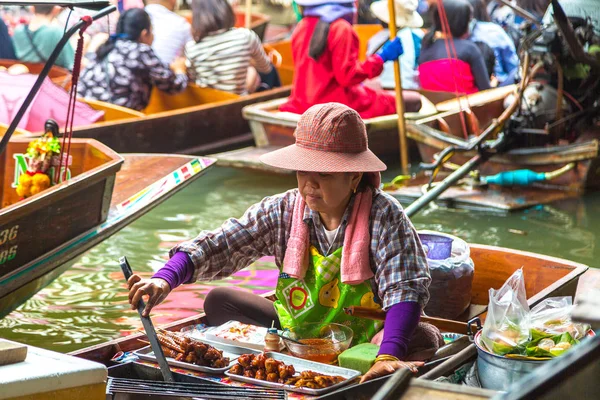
[191, 351]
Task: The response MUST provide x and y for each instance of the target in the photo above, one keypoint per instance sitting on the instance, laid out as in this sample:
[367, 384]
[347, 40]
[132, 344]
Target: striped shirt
[221, 60]
[397, 258]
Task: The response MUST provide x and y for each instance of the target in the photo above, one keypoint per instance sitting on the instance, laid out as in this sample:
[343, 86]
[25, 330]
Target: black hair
[480, 12]
[458, 13]
[210, 16]
[43, 9]
[130, 26]
[488, 56]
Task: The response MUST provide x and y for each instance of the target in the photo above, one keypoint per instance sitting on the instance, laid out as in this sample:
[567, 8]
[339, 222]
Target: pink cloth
[356, 267]
[437, 76]
[50, 102]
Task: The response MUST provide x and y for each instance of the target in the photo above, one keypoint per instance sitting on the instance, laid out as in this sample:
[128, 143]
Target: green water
[88, 305]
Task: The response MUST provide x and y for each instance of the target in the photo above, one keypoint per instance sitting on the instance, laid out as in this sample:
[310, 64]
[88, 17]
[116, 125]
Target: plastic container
[321, 343]
[272, 340]
[437, 247]
[451, 279]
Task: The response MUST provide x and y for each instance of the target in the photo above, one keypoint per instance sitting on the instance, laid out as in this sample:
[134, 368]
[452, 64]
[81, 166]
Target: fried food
[271, 370]
[192, 351]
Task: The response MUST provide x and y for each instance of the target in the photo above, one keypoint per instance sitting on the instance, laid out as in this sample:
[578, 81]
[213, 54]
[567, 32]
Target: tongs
[149, 328]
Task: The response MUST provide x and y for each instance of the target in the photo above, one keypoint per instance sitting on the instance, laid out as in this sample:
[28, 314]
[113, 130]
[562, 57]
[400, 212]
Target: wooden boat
[434, 133]
[197, 121]
[58, 75]
[258, 21]
[544, 277]
[106, 192]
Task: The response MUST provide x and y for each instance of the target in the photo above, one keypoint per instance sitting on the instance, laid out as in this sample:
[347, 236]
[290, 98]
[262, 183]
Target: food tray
[146, 353]
[301, 365]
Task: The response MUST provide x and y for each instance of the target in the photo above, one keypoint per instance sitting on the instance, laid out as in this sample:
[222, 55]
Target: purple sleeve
[177, 270]
[400, 323]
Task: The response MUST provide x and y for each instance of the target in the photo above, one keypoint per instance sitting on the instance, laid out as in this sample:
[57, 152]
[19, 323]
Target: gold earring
[354, 190]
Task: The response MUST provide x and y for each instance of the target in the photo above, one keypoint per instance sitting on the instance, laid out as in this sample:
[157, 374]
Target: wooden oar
[248, 13]
[399, 100]
[445, 325]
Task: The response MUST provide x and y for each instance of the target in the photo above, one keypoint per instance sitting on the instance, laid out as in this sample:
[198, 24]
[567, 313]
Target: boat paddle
[399, 100]
[149, 328]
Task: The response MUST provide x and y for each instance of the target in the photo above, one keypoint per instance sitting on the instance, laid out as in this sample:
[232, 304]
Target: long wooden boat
[434, 133]
[197, 121]
[59, 75]
[258, 21]
[544, 277]
[106, 192]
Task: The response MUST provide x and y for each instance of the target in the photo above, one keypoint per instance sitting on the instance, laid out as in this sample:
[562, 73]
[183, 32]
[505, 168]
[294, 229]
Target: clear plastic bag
[553, 316]
[451, 281]
[506, 328]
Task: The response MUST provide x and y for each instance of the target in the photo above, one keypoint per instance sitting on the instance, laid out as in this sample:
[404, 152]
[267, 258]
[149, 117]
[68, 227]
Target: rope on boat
[59, 175]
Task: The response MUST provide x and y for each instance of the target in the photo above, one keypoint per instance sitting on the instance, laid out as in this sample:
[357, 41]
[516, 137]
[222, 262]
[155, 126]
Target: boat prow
[107, 192]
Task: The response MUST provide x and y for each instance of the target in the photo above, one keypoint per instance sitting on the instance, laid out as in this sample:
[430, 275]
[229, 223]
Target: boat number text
[6, 236]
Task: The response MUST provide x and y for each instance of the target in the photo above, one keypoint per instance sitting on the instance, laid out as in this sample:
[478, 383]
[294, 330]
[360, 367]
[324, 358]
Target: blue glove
[391, 50]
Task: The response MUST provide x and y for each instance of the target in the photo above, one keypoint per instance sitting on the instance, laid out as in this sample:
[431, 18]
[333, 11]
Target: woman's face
[327, 192]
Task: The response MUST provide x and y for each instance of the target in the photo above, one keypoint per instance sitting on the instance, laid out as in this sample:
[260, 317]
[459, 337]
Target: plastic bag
[506, 328]
[553, 317]
[451, 280]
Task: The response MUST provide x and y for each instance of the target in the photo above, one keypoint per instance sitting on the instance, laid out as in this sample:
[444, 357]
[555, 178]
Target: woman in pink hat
[338, 241]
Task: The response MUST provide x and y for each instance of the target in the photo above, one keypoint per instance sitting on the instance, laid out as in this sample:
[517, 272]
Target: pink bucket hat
[330, 137]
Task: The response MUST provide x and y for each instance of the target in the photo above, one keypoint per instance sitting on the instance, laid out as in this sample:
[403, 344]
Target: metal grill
[129, 389]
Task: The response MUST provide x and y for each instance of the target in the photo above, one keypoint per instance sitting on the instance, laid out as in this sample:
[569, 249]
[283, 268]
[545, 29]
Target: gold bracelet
[386, 357]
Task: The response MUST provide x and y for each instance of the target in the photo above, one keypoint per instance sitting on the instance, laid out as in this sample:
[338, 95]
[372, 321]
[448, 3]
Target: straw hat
[330, 137]
[406, 13]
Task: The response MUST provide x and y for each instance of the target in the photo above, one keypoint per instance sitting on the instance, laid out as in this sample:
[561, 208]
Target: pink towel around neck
[356, 267]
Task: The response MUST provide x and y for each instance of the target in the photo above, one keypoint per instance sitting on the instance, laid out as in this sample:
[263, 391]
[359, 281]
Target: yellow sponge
[360, 357]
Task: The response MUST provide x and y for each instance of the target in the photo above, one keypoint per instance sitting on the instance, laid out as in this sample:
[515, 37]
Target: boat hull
[271, 127]
[32, 227]
[202, 129]
[544, 277]
[584, 152]
[144, 181]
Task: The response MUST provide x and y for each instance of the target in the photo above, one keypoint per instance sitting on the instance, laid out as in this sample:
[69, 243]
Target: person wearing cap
[338, 241]
[325, 52]
[408, 21]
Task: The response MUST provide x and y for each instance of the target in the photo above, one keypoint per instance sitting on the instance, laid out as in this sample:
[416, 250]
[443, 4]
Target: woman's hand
[178, 65]
[382, 368]
[156, 289]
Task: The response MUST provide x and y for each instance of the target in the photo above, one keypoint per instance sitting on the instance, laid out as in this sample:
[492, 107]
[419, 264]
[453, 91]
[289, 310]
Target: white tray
[301, 365]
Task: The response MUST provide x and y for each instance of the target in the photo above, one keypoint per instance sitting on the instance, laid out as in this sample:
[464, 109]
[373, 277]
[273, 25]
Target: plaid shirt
[397, 258]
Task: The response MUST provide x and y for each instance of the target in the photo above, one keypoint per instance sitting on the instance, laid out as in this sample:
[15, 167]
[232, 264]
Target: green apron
[321, 297]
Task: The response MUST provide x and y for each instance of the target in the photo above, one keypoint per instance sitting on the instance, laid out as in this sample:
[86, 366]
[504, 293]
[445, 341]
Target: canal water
[87, 304]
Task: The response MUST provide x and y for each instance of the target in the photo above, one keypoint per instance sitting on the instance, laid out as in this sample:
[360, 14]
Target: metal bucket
[498, 372]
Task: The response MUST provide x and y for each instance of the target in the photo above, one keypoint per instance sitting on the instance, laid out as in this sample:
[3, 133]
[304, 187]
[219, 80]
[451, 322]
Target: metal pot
[498, 372]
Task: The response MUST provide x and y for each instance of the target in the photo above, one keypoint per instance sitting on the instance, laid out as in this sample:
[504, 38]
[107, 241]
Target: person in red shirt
[325, 51]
